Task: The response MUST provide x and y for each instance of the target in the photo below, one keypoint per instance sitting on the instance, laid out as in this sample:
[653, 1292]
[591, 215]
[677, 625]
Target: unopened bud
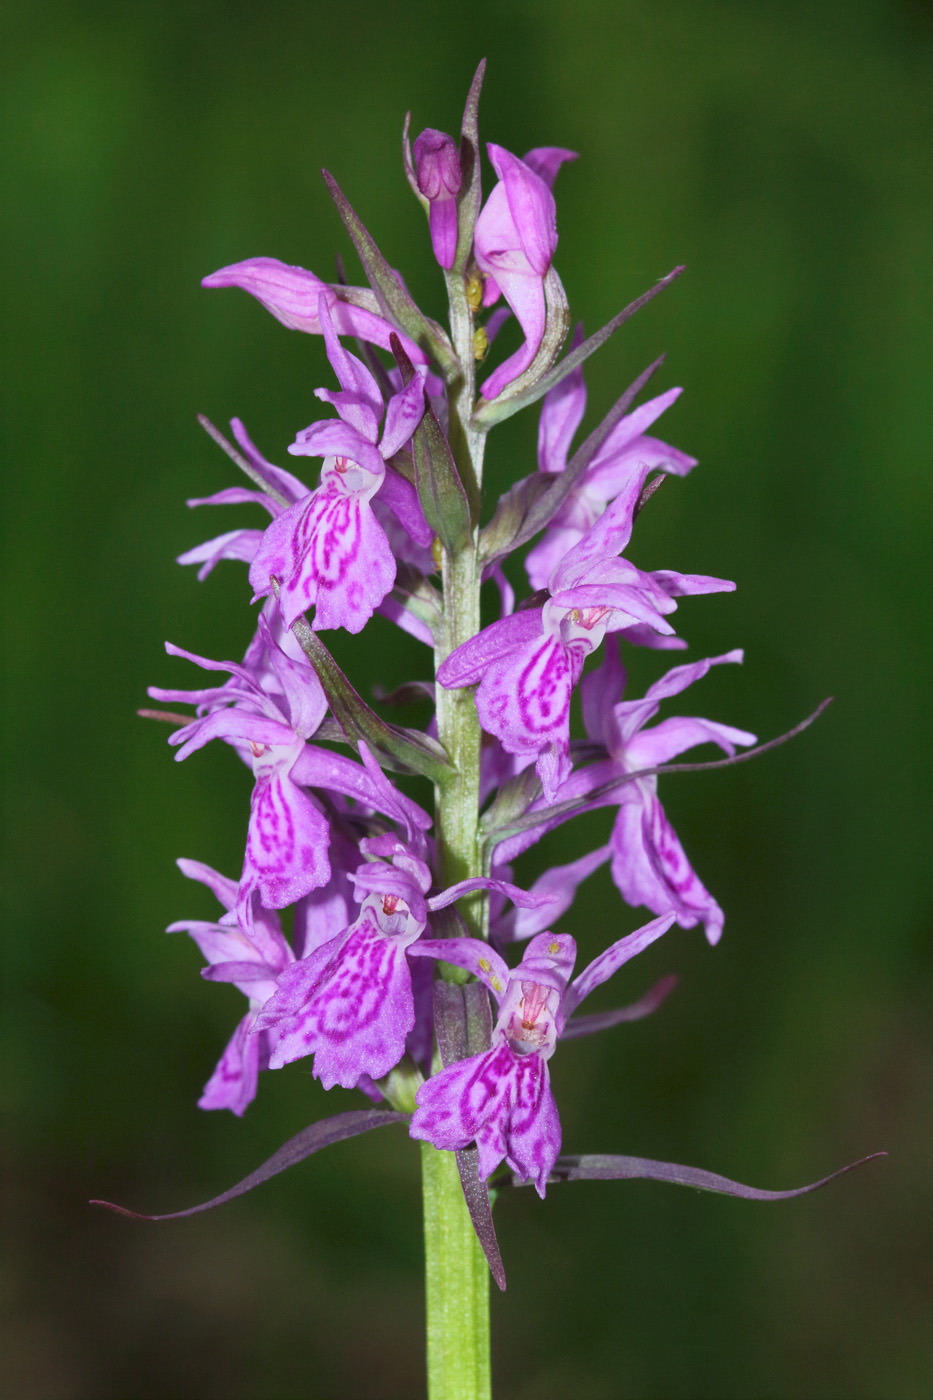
[437, 165]
[438, 173]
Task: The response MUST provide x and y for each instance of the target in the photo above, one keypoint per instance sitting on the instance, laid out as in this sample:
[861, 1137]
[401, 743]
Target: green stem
[456, 1272]
[456, 1286]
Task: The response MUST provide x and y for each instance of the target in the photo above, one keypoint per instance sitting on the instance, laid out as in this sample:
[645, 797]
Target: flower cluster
[396, 912]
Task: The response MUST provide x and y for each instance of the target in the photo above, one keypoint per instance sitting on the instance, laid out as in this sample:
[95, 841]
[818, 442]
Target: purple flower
[293, 295]
[528, 664]
[350, 1003]
[628, 452]
[514, 242]
[328, 549]
[288, 835]
[252, 964]
[438, 173]
[502, 1098]
[649, 865]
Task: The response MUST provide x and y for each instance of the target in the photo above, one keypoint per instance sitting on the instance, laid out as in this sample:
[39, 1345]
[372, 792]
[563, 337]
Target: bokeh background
[780, 150]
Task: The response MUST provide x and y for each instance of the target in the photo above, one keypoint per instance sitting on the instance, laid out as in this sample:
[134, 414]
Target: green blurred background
[780, 150]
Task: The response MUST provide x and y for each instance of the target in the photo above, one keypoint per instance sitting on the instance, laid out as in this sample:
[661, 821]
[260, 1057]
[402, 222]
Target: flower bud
[438, 172]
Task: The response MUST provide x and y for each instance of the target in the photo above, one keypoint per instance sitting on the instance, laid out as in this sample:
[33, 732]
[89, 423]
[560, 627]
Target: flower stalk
[456, 1278]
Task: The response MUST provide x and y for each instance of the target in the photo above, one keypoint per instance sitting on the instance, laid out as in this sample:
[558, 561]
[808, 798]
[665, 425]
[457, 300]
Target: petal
[437, 163]
[389, 800]
[602, 968]
[286, 846]
[553, 765]
[534, 1135]
[358, 401]
[604, 479]
[561, 415]
[469, 662]
[600, 691]
[316, 767]
[322, 914]
[524, 293]
[543, 559]
[673, 736]
[650, 867]
[292, 295]
[238, 496]
[301, 690]
[233, 1083]
[681, 585]
[524, 697]
[454, 1105]
[235, 544]
[561, 881]
[290, 487]
[232, 725]
[501, 1100]
[607, 538]
[470, 953]
[548, 960]
[332, 437]
[678, 678]
[442, 220]
[523, 899]
[330, 551]
[404, 412]
[634, 425]
[545, 161]
[376, 877]
[532, 207]
[402, 500]
[358, 1015]
[496, 242]
[221, 886]
[629, 716]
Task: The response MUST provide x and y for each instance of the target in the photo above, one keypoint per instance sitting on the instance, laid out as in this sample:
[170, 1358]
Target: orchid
[404, 922]
[252, 964]
[627, 452]
[502, 1098]
[328, 549]
[649, 864]
[514, 241]
[528, 664]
